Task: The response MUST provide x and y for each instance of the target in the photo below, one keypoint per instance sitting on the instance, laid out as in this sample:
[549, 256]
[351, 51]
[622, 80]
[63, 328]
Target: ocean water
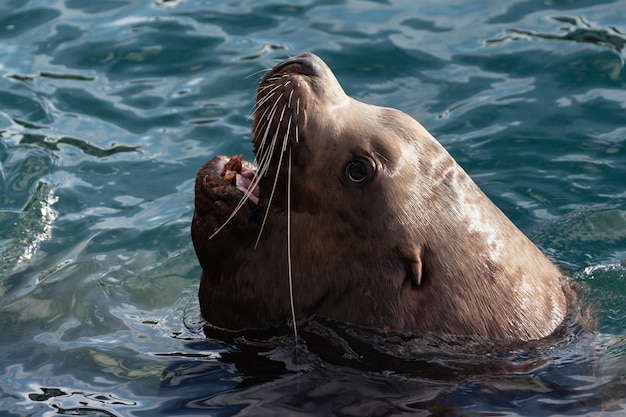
[108, 109]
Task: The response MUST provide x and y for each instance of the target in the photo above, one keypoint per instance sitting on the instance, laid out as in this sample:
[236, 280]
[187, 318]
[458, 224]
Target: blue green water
[108, 108]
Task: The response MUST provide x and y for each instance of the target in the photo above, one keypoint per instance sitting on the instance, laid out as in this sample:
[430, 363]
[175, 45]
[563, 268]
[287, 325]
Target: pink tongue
[243, 180]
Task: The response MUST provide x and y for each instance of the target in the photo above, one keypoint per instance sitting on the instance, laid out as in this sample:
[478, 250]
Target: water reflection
[338, 369]
[576, 30]
[108, 108]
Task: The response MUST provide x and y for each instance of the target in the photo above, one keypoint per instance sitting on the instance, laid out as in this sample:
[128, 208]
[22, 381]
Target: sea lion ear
[416, 271]
[412, 258]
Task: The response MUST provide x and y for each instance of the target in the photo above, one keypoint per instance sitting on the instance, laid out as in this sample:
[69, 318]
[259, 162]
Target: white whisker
[261, 148]
[282, 113]
[289, 269]
[280, 162]
[246, 196]
[271, 96]
[269, 203]
[272, 89]
[256, 72]
[264, 100]
[263, 166]
[290, 97]
[286, 141]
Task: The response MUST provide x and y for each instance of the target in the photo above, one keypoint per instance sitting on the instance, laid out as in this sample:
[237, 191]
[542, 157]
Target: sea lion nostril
[306, 64]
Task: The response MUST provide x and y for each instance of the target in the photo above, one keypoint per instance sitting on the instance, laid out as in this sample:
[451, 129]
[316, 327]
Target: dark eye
[359, 171]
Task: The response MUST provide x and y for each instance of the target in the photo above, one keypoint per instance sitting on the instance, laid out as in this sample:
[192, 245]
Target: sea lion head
[371, 220]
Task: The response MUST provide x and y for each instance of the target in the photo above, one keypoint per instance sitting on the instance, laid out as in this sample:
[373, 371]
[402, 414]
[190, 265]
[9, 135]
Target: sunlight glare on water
[109, 108]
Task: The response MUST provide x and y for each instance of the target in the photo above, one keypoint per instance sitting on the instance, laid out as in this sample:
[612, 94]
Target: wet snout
[305, 64]
[312, 77]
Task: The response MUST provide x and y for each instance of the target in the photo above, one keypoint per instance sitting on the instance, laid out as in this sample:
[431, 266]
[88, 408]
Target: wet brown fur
[413, 249]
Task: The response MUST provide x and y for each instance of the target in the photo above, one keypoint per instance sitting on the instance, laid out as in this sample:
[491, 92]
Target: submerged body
[376, 222]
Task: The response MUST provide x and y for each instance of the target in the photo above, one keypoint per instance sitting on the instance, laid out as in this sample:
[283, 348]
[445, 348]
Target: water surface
[108, 108]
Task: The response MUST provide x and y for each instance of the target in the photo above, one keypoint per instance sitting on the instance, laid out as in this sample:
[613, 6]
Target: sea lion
[364, 217]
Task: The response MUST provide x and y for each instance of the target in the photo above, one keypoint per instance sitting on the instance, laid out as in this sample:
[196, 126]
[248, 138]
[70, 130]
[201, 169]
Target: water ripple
[86, 147]
[576, 30]
[110, 107]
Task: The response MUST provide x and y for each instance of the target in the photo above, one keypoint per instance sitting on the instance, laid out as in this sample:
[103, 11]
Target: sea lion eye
[359, 171]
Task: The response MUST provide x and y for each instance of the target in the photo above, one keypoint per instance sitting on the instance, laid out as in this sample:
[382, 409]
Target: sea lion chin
[368, 217]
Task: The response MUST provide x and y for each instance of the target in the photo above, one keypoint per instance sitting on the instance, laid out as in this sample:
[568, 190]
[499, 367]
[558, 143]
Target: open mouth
[241, 174]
